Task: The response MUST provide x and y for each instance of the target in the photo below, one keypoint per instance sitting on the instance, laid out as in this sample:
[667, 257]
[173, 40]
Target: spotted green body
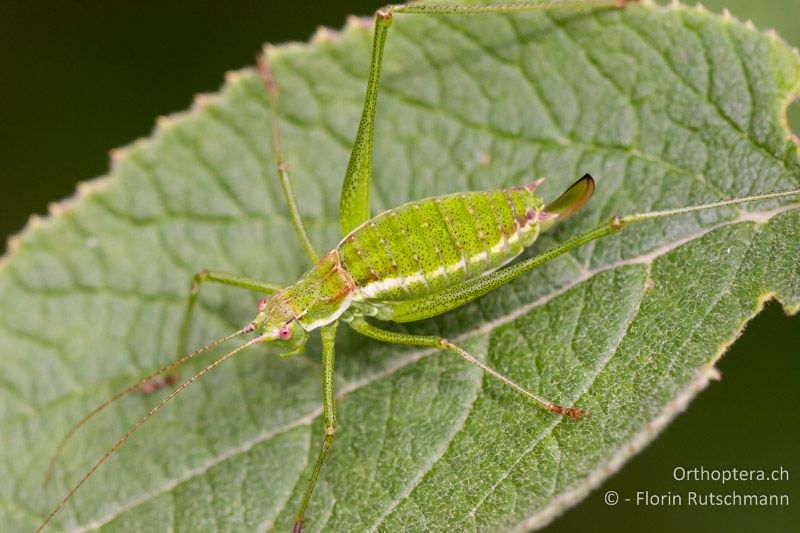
[416, 250]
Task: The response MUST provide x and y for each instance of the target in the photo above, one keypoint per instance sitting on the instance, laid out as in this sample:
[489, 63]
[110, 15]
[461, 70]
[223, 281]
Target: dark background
[79, 79]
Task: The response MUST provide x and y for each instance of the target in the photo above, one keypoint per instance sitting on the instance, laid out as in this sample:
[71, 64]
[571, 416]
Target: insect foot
[574, 413]
[159, 383]
[384, 14]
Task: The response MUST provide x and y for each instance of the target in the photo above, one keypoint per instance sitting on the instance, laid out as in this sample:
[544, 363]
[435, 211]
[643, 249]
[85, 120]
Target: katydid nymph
[413, 262]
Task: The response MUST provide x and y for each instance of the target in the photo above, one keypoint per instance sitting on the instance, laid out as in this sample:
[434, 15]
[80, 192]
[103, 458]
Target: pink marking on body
[262, 304]
[341, 294]
[532, 186]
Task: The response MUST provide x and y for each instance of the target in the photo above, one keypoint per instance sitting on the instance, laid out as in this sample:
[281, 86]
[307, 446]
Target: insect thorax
[322, 294]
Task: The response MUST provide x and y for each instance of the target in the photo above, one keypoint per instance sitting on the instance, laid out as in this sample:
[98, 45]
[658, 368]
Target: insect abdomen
[425, 246]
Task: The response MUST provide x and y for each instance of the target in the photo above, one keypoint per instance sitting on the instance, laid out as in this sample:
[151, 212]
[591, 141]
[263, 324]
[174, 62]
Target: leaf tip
[117, 154]
[201, 101]
[712, 373]
[35, 221]
[12, 243]
[85, 188]
[165, 122]
[56, 208]
[359, 23]
[233, 76]
[268, 51]
[324, 35]
[772, 33]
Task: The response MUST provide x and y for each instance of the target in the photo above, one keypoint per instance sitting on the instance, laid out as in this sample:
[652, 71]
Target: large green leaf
[665, 107]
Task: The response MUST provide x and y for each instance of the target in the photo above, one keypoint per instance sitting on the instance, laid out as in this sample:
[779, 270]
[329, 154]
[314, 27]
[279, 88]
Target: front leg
[213, 276]
[283, 169]
[328, 334]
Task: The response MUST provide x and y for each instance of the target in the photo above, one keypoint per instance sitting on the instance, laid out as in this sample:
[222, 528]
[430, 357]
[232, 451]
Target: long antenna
[616, 223]
[149, 414]
[710, 205]
[174, 364]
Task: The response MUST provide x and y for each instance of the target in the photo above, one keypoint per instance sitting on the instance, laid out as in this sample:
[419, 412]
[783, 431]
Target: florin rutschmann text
[711, 498]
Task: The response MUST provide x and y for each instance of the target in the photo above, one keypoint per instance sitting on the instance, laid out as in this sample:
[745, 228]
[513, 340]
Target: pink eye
[285, 333]
[262, 304]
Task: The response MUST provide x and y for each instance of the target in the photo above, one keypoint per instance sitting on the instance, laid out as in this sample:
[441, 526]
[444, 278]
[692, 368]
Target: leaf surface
[665, 107]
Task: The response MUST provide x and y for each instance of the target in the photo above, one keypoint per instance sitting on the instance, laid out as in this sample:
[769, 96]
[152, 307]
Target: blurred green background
[80, 79]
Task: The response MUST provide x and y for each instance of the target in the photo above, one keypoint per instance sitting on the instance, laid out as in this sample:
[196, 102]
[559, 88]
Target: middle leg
[328, 334]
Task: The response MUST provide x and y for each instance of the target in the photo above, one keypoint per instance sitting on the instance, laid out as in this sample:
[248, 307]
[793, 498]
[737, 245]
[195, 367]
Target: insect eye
[285, 333]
